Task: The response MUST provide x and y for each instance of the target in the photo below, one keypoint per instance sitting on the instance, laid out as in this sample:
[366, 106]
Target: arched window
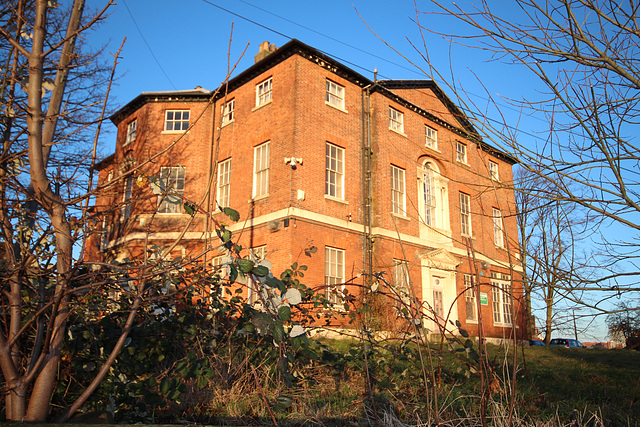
[433, 202]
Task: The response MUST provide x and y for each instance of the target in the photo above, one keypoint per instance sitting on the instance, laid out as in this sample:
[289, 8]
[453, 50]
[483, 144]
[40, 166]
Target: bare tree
[625, 321]
[47, 106]
[42, 60]
[550, 231]
[583, 56]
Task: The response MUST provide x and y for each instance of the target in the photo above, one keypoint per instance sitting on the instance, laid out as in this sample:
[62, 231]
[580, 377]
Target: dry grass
[554, 388]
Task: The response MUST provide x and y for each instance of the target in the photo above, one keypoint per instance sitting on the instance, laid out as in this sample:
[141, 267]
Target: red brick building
[380, 176]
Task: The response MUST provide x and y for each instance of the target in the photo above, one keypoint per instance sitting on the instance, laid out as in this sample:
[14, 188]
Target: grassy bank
[553, 387]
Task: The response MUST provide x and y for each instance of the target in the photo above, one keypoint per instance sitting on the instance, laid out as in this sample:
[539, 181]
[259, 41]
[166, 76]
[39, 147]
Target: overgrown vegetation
[209, 364]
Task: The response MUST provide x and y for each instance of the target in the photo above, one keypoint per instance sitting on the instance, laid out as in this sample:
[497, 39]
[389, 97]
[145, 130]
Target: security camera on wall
[293, 162]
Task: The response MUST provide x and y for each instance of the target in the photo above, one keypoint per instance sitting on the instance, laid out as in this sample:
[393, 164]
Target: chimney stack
[265, 50]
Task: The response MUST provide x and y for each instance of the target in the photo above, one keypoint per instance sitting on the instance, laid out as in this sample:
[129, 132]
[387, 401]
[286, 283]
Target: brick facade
[375, 132]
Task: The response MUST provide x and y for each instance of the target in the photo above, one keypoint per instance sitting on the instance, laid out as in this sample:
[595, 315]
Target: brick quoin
[297, 213]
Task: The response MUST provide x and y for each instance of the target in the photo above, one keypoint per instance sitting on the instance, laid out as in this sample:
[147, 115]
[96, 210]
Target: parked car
[565, 342]
[537, 343]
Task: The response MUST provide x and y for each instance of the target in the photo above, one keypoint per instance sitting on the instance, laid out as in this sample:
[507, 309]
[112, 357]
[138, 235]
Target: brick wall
[298, 122]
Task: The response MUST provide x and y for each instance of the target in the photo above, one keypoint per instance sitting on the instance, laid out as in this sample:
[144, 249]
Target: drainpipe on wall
[213, 178]
[366, 182]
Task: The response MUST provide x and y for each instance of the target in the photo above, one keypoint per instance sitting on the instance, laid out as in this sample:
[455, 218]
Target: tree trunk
[38, 407]
[549, 315]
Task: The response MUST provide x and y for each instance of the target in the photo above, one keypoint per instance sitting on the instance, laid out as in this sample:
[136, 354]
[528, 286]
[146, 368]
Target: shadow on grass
[622, 359]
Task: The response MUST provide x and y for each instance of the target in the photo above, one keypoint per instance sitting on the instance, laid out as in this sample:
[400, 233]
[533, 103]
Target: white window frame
[396, 120]
[334, 171]
[433, 204]
[430, 137]
[264, 92]
[224, 183]
[106, 228]
[498, 228]
[471, 307]
[402, 282]
[170, 201]
[493, 170]
[104, 233]
[261, 163]
[217, 262]
[257, 255]
[429, 196]
[176, 120]
[127, 192]
[501, 293]
[228, 112]
[335, 95]
[465, 214]
[398, 191]
[438, 298]
[401, 274]
[219, 265]
[461, 152]
[334, 274]
[131, 131]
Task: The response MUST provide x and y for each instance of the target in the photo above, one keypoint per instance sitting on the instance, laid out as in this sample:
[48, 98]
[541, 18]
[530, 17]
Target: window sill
[433, 148]
[404, 217]
[336, 107]
[258, 198]
[401, 133]
[336, 199]
[334, 307]
[174, 132]
[435, 228]
[257, 107]
[464, 163]
[225, 124]
[503, 325]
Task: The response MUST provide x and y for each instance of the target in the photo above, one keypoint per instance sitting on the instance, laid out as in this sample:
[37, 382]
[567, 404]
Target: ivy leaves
[231, 213]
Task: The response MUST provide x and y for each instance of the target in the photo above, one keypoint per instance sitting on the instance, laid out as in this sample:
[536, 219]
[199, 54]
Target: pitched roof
[296, 47]
[197, 94]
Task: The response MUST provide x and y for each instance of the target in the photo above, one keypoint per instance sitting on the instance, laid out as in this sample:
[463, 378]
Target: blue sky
[171, 47]
[181, 45]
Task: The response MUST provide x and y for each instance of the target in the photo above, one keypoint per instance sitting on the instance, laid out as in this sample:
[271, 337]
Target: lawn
[600, 381]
